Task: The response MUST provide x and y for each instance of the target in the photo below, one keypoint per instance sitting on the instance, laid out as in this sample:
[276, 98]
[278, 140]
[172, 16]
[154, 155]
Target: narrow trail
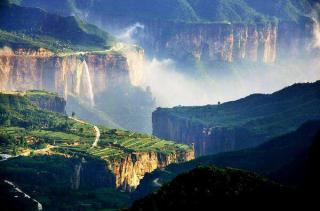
[96, 129]
[25, 195]
[95, 143]
[5, 157]
[156, 182]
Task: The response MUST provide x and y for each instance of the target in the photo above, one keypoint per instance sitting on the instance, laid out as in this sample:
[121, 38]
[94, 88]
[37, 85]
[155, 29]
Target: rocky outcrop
[131, 169]
[49, 102]
[238, 124]
[225, 42]
[125, 172]
[206, 140]
[75, 178]
[216, 42]
[89, 172]
[25, 69]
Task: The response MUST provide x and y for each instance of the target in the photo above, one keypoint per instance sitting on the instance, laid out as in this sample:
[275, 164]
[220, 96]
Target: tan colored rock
[131, 169]
[25, 69]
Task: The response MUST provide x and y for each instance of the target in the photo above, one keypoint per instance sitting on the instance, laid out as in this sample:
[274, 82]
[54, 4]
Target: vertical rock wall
[25, 69]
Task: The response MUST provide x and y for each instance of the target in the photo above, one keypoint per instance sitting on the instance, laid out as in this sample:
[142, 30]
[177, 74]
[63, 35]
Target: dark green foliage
[20, 112]
[312, 165]
[282, 9]
[273, 159]
[206, 187]
[225, 10]
[155, 9]
[49, 180]
[25, 27]
[23, 121]
[267, 115]
[12, 200]
[249, 11]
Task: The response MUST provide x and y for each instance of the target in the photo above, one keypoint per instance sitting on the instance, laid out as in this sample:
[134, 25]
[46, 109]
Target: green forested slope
[32, 27]
[183, 10]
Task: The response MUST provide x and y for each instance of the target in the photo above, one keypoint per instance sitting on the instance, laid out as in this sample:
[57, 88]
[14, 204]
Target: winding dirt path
[95, 143]
[5, 157]
[25, 195]
[156, 182]
[96, 129]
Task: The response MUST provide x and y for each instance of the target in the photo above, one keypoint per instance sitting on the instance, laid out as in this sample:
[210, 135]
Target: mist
[127, 34]
[172, 86]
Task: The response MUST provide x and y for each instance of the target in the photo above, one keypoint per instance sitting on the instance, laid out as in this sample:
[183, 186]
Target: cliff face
[212, 42]
[124, 173]
[238, 124]
[131, 169]
[49, 102]
[225, 42]
[91, 173]
[206, 140]
[81, 74]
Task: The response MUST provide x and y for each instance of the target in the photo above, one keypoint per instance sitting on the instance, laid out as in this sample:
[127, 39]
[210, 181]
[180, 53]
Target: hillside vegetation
[25, 128]
[49, 152]
[268, 115]
[205, 187]
[249, 11]
[280, 158]
[22, 27]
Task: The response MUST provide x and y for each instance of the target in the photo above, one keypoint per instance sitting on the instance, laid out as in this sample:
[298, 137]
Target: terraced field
[25, 127]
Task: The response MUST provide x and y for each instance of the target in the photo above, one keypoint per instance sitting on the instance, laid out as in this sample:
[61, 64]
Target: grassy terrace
[114, 143]
[26, 128]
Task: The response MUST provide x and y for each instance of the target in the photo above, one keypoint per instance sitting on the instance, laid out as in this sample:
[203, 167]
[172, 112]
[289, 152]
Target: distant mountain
[22, 27]
[242, 123]
[198, 33]
[182, 10]
[209, 187]
[282, 158]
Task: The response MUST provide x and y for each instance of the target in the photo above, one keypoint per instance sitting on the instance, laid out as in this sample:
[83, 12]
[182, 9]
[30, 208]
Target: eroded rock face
[124, 173]
[216, 42]
[50, 103]
[225, 42]
[130, 170]
[206, 140]
[25, 69]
